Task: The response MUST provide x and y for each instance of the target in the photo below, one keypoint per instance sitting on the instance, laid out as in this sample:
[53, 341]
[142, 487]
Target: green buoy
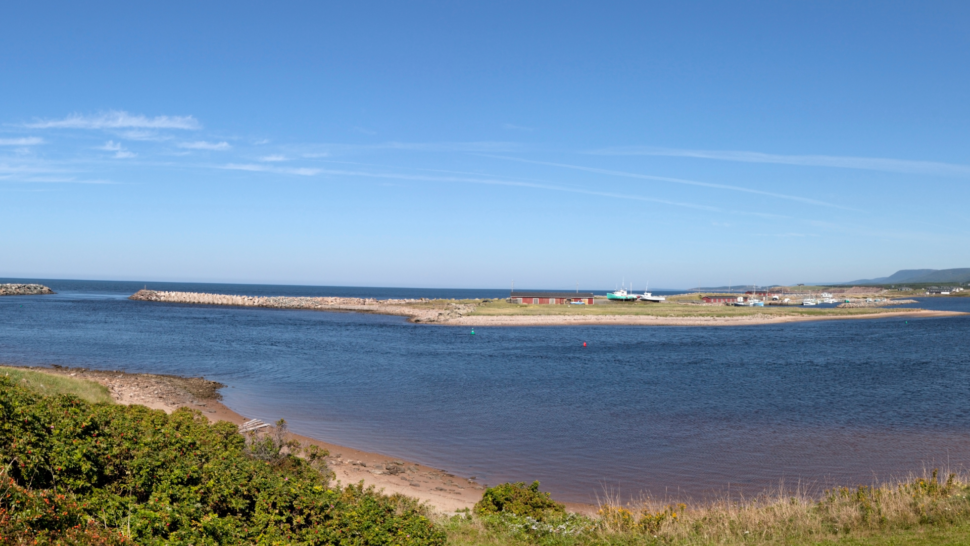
[473, 331]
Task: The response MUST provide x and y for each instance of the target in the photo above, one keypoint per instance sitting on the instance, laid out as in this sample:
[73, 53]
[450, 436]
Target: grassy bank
[502, 308]
[50, 384]
[930, 510]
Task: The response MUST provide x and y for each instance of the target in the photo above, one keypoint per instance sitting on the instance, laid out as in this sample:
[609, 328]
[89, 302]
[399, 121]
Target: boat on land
[648, 296]
[621, 295]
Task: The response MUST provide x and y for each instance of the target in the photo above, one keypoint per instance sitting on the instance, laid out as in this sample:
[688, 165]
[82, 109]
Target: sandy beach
[653, 320]
[444, 491]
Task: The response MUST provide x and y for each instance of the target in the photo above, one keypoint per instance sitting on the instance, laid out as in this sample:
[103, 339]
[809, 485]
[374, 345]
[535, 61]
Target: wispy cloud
[268, 169]
[46, 174]
[845, 162]
[203, 145]
[24, 141]
[140, 134]
[465, 180]
[786, 235]
[63, 180]
[675, 181]
[117, 148]
[272, 158]
[326, 150]
[117, 119]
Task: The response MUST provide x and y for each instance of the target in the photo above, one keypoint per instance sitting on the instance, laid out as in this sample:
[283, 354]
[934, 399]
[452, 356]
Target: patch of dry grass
[54, 384]
[931, 509]
[668, 310]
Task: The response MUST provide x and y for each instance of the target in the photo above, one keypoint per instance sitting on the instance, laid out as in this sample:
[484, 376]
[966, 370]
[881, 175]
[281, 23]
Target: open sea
[670, 412]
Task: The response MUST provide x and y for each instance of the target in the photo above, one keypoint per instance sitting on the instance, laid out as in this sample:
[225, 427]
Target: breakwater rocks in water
[24, 289]
[401, 307]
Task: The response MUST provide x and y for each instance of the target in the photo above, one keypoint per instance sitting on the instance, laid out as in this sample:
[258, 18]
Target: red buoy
[584, 344]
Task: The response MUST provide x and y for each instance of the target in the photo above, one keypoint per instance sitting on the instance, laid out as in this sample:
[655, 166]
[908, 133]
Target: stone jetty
[400, 307]
[24, 289]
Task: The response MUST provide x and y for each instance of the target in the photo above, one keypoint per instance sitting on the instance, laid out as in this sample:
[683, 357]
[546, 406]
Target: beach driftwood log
[10, 289]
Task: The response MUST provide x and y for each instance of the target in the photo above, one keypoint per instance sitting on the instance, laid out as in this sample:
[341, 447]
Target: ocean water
[669, 412]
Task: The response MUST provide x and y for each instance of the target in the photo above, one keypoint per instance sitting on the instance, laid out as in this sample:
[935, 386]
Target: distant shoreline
[654, 320]
[499, 313]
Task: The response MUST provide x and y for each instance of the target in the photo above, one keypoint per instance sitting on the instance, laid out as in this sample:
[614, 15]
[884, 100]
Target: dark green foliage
[128, 471]
[518, 499]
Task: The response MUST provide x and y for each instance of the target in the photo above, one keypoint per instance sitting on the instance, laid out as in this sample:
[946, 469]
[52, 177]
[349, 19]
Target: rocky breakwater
[24, 290]
[416, 310]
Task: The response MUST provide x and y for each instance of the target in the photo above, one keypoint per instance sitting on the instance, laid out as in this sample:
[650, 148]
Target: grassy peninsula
[686, 310]
[671, 309]
[79, 472]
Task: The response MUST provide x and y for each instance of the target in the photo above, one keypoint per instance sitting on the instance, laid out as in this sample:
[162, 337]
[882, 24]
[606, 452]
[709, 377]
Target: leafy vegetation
[76, 472]
[519, 499]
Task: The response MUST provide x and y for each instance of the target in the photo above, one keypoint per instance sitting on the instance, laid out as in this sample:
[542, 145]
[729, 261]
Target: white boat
[809, 302]
[647, 296]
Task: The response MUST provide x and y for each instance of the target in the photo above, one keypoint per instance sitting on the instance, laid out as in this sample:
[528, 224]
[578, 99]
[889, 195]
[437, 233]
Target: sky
[460, 144]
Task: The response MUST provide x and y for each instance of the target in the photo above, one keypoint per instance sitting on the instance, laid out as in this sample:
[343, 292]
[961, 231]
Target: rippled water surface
[665, 410]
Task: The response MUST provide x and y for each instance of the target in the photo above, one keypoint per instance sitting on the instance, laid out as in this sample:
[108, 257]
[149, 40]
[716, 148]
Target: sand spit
[10, 289]
[652, 320]
[460, 314]
[881, 303]
[398, 307]
[442, 490]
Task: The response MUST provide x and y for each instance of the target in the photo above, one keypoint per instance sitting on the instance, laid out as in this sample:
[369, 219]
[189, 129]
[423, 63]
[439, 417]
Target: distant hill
[917, 276]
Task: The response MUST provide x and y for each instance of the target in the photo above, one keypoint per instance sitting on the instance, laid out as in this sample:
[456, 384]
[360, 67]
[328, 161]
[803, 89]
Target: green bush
[518, 499]
[74, 472]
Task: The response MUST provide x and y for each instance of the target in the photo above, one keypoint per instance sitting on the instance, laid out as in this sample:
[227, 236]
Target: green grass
[669, 310]
[933, 509]
[49, 384]
[467, 533]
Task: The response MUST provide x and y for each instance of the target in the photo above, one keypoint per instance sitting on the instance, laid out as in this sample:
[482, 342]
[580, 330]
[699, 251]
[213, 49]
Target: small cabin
[551, 298]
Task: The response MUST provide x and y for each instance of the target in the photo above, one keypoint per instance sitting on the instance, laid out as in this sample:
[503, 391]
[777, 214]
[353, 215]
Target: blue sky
[468, 145]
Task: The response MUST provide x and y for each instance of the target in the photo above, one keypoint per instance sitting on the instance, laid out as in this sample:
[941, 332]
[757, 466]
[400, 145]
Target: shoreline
[441, 490]
[454, 313]
[655, 320]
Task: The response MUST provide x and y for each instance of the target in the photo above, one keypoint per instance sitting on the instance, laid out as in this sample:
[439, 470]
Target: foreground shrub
[518, 499]
[72, 469]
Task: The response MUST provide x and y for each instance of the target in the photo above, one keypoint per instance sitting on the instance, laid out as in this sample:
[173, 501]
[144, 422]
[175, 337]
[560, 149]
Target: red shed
[722, 299]
[551, 298]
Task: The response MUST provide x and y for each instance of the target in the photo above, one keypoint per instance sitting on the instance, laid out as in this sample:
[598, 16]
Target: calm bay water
[671, 411]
